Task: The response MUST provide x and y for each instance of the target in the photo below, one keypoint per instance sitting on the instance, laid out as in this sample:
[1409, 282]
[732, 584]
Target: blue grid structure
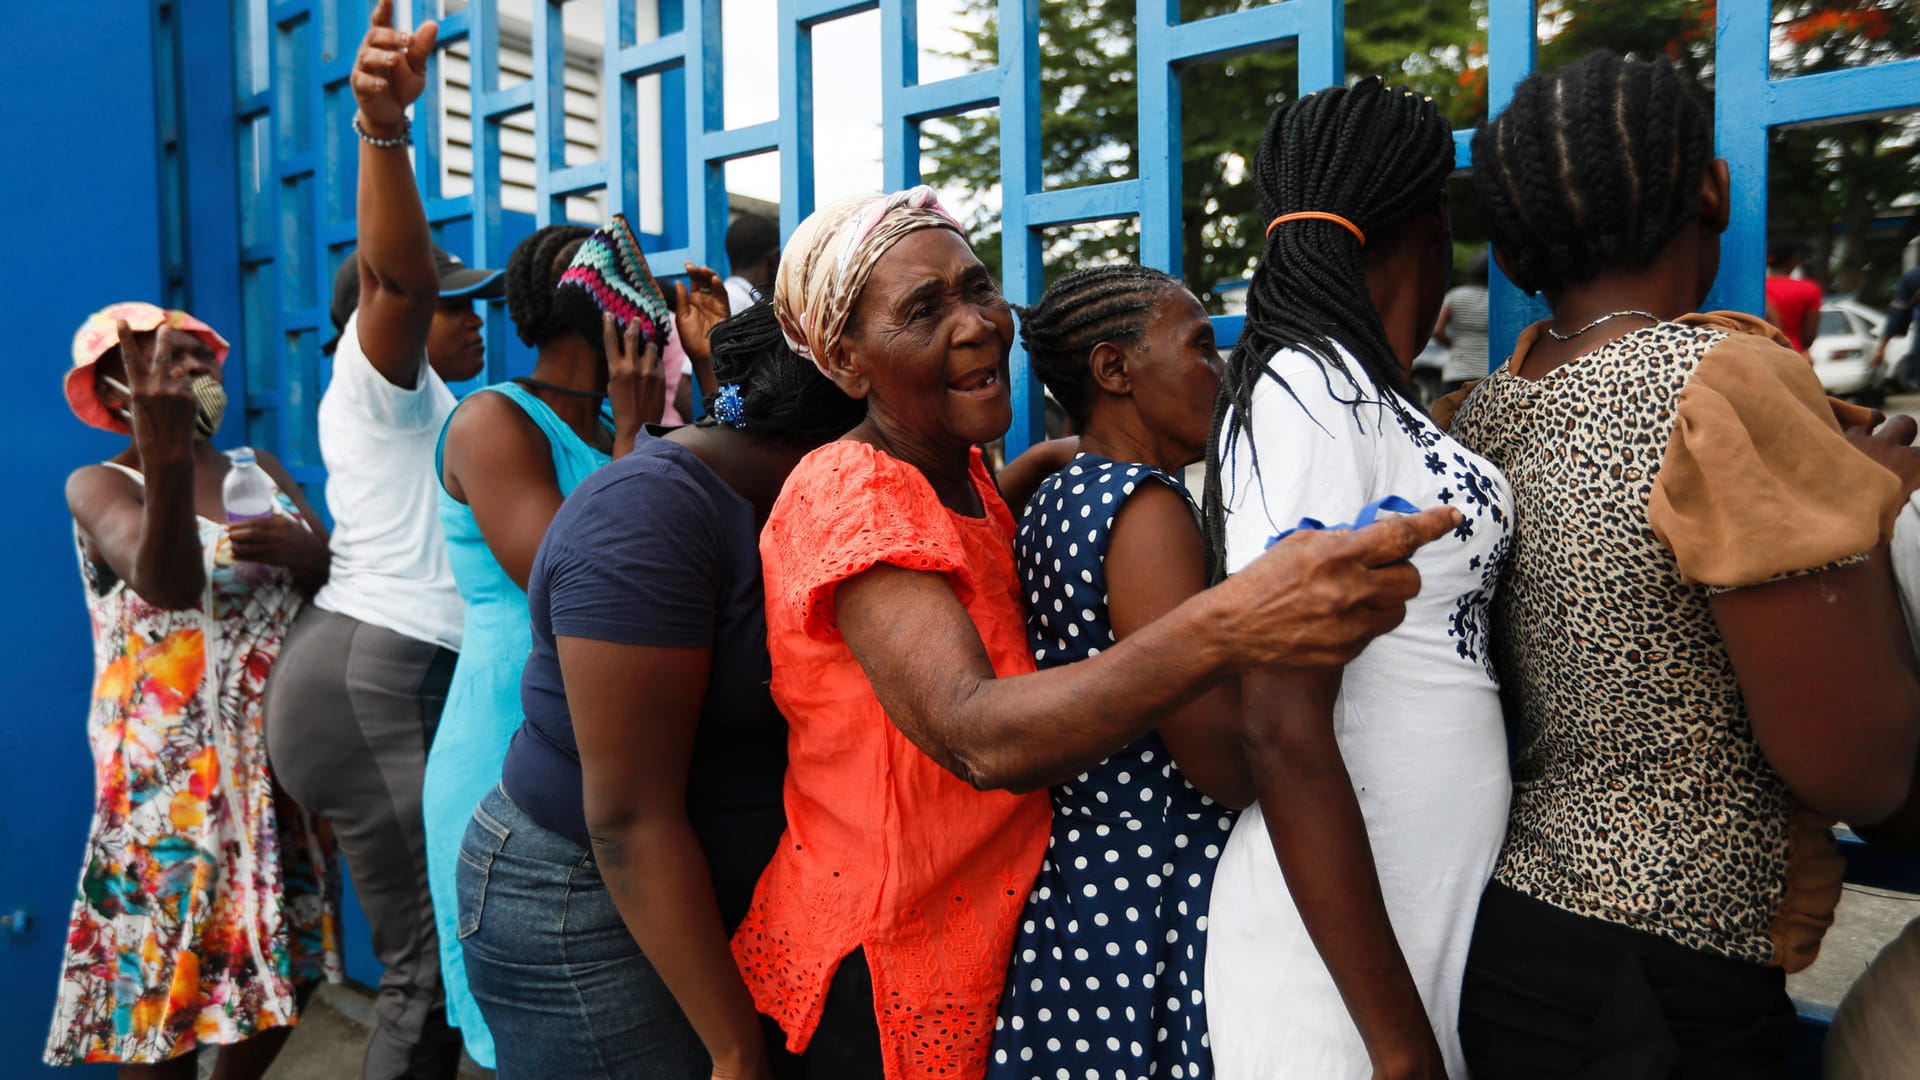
[1748, 102]
[296, 159]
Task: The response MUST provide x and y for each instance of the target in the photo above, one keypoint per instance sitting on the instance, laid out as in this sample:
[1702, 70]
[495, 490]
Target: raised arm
[635, 710]
[399, 287]
[1314, 599]
[699, 304]
[1156, 560]
[147, 533]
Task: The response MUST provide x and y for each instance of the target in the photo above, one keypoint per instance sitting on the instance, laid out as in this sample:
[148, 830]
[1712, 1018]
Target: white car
[1848, 332]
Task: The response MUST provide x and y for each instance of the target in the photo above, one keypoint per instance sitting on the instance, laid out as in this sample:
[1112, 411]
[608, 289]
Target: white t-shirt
[390, 565]
[741, 294]
[1417, 720]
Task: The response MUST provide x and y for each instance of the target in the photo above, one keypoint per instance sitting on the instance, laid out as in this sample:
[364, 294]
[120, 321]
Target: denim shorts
[564, 988]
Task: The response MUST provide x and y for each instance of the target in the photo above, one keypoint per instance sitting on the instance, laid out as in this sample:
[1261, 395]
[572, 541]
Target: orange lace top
[884, 849]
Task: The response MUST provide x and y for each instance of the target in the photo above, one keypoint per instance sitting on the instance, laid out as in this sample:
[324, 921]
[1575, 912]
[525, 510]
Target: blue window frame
[295, 158]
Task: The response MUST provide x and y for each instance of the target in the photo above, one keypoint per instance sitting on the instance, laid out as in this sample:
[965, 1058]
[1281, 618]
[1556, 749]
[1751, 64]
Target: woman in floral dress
[205, 907]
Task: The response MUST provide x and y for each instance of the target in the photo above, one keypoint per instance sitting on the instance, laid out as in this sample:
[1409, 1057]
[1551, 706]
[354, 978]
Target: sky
[846, 91]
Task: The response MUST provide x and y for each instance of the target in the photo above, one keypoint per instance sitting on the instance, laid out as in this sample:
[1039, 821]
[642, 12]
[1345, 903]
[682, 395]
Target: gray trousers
[351, 710]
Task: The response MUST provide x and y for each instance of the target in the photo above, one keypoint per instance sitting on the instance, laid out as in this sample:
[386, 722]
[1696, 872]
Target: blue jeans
[564, 988]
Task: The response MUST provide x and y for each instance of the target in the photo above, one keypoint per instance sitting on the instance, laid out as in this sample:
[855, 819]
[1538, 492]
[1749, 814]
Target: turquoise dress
[483, 703]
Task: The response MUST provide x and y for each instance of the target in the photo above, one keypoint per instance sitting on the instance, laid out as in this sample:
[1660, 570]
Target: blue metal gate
[297, 161]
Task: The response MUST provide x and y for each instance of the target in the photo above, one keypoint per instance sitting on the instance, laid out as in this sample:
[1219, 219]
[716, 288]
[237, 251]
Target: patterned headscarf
[609, 275]
[100, 333]
[827, 261]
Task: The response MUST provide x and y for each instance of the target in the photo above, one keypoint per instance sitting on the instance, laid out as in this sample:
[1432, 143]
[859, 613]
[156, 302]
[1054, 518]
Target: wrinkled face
[454, 345]
[1175, 372]
[927, 343]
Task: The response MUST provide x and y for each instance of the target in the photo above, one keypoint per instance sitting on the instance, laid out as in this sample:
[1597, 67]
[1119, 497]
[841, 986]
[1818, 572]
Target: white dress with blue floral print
[1417, 720]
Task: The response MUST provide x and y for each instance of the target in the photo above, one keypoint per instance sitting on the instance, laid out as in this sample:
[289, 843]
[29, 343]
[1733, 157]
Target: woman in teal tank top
[508, 457]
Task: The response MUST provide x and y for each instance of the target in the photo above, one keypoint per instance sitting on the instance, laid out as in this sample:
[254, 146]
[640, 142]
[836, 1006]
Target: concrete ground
[333, 1032]
[332, 1036]
[328, 1043]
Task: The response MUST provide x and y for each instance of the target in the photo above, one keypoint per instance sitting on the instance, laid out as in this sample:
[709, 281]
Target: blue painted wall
[82, 230]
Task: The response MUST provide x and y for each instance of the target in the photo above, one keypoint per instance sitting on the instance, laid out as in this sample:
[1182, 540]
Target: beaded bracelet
[405, 138]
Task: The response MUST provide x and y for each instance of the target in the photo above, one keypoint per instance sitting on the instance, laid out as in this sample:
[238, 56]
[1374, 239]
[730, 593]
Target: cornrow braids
[1086, 307]
[1376, 156]
[533, 270]
[1590, 169]
[782, 395]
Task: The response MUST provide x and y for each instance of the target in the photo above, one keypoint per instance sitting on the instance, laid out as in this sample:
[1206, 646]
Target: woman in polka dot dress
[1106, 975]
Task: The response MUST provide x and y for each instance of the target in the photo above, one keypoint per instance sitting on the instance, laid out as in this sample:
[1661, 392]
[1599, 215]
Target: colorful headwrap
[100, 333]
[827, 261]
[610, 275]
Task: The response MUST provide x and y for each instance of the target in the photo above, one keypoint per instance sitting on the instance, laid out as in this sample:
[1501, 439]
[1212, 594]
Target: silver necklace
[1609, 316]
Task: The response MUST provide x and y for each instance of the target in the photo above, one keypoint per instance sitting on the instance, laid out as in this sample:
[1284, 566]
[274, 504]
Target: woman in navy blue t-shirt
[642, 795]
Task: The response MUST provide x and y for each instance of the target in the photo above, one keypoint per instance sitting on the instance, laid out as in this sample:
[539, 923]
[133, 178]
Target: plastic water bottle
[247, 490]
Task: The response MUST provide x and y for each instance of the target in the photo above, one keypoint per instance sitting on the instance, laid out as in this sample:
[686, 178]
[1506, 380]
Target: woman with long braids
[881, 931]
[1698, 627]
[508, 457]
[1344, 901]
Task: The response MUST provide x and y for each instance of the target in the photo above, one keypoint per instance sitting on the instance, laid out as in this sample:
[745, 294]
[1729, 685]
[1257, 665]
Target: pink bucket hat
[100, 333]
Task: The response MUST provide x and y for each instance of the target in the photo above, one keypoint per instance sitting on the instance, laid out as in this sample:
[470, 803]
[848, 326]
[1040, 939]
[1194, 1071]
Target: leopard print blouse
[1639, 795]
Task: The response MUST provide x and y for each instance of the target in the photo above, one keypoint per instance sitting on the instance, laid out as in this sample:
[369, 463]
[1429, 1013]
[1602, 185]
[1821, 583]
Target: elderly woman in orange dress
[921, 737]
[205, 910]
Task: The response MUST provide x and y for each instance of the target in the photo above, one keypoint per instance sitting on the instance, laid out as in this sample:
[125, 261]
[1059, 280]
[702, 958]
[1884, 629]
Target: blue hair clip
[729, 409]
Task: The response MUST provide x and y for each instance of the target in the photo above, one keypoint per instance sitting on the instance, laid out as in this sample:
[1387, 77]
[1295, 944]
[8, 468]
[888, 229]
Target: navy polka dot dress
[1107, 963]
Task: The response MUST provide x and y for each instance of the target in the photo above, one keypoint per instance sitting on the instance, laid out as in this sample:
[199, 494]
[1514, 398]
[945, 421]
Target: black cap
[456, 279]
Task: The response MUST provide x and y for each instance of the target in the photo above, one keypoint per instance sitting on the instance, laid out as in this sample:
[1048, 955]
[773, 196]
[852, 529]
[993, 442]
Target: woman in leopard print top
[1696, 632]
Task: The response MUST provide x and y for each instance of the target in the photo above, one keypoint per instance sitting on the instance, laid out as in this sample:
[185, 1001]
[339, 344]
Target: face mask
[210, 399]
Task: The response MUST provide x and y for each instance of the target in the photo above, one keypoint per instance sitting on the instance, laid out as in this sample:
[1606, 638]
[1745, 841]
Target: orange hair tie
[1318, 215]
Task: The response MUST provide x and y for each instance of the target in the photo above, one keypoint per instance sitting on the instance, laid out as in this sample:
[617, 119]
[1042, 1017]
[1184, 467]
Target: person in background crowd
[1698, 629]
[753, 252]
[1109, 957]
[1344, 901]
[358, 694]
[1463, 327]
[642, 796]
[205, 912]
[753, 256]
[1906, 373]
[881, 932]
[687, 365]
[509, 456]
[1793, 302]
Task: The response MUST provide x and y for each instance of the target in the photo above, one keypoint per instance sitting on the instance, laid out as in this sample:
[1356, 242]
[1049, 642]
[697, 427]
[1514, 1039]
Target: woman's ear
[1716, 196]
[1107, 363]
[846, 368]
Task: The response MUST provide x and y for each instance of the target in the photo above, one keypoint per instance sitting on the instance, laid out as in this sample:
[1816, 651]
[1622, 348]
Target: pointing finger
[1387, 542]
[129, 349]
[382, 14]
[421, 47]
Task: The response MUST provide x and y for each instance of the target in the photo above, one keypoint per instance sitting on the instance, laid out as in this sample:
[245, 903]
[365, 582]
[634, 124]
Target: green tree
[1088, 94]
[1831, 185]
